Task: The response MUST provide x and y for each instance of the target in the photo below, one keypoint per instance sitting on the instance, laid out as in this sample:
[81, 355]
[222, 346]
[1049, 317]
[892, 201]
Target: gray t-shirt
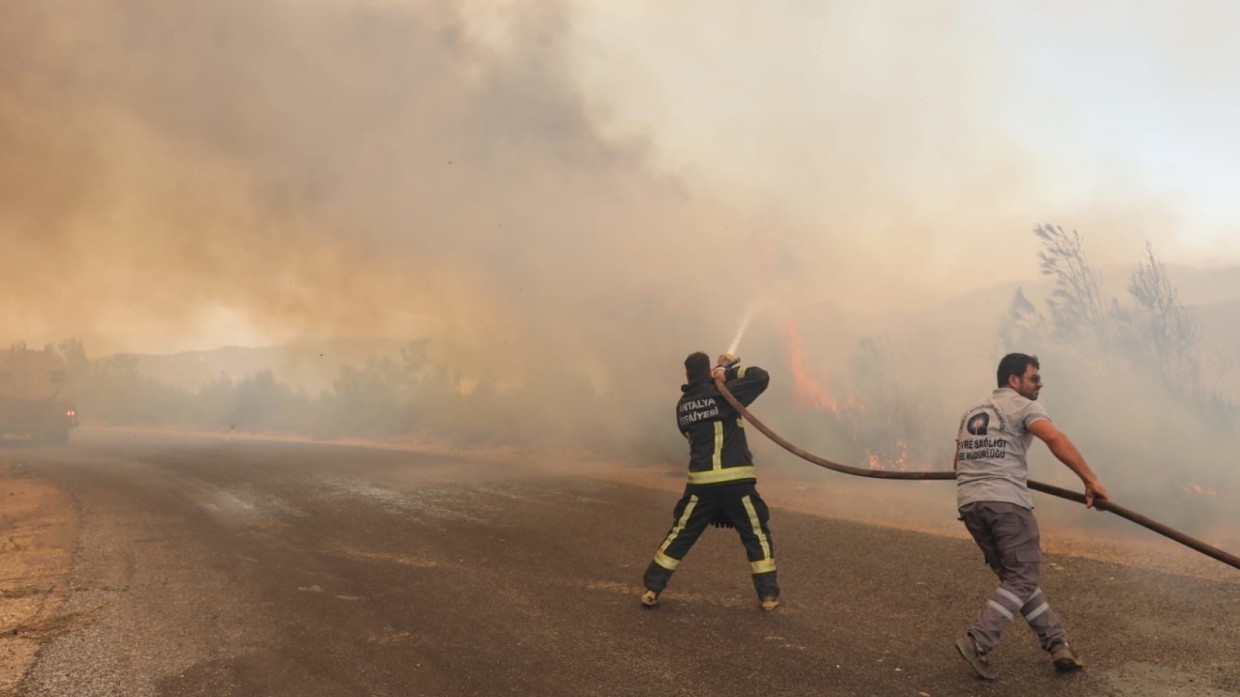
[993, 443]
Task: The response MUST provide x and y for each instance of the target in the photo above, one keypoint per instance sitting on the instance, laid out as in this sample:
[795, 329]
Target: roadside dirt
[38, 534]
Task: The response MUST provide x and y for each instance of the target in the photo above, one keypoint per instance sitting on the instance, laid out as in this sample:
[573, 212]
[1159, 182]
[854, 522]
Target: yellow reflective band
[756, 526]
[659, 557]
[764, 566]
[740, 373]
[667, 562]
[727, 474]
[716, 460]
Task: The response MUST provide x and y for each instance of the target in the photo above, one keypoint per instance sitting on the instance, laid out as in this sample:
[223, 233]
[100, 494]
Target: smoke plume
[511, 181]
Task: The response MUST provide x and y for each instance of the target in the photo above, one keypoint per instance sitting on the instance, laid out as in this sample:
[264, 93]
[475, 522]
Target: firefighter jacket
[718, 451]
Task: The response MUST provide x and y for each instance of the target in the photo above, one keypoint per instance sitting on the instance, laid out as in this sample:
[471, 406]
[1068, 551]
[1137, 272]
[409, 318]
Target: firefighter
[722, 487]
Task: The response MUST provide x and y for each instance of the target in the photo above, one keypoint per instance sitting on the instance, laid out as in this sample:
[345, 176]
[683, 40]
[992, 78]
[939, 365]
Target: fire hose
[1101, 504]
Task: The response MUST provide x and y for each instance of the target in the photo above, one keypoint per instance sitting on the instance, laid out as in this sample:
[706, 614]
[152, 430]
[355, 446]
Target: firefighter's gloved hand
[728, 360]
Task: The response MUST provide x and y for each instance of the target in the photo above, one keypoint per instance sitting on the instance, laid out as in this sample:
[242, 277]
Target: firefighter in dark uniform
[722, 487]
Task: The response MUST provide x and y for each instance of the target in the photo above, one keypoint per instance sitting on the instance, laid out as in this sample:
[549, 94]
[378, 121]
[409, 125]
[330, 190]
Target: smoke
[457, 169]
[326, 168]
[552, 188]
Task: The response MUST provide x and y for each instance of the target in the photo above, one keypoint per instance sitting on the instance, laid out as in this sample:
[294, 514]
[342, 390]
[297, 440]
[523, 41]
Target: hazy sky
[570, 178]
[1092, 111]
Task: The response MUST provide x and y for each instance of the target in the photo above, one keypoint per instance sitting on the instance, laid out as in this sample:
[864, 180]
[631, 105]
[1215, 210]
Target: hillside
[967, 324]
[310, 366]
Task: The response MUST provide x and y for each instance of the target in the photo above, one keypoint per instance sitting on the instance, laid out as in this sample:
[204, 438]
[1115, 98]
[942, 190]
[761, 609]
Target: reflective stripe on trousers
[735, 505]
[1008, 536]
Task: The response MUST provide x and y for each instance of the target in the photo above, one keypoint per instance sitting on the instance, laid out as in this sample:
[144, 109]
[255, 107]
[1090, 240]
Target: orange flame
[873, 461]
[898, 463]
[809, 392]
[1198, 489]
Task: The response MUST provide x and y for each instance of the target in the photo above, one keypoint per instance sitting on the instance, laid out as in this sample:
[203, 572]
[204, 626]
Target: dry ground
[38, 533]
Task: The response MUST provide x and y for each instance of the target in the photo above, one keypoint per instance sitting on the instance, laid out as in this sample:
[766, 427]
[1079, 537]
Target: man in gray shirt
[992, 495]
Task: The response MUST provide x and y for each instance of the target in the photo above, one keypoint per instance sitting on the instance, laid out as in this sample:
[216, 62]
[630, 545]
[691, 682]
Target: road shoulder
[38, 535]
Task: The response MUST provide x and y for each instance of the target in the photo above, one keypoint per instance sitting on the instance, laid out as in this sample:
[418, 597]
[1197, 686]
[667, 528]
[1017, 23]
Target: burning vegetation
[1110, 366]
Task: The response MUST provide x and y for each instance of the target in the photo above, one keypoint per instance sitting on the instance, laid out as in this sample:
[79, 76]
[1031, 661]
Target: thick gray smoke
[339, 169]
[450, 168]
[173, 173]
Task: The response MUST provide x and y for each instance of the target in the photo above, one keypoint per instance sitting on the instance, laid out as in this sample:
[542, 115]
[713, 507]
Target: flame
[1199, 490]
[809, 393]
[898, 463]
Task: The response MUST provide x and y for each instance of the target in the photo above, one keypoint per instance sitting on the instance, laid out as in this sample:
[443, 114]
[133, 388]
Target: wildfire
[1199, 490]
[899, 462]
[809, 392]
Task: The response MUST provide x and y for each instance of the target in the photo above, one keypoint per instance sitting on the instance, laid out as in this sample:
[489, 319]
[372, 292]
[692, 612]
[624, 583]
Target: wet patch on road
[443, 503]
[383, 557]
[238, 503]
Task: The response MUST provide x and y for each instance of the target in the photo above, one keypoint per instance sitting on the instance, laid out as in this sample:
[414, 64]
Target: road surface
[214, 566]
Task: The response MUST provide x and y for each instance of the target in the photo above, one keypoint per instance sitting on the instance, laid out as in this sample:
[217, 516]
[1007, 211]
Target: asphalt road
[210, 566]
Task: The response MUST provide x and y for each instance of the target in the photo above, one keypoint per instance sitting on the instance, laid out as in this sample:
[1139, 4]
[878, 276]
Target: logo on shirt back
[695, 410]
[978, 424]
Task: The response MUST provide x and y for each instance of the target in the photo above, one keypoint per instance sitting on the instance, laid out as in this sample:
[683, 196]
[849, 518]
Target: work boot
[769, 604]
[650, 599]
[1065, 658]
[979, 661]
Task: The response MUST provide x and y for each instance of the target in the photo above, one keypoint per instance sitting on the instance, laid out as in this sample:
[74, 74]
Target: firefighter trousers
[735, 505]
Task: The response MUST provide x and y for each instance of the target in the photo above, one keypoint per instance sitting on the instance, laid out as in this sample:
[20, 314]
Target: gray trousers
[1008, 537]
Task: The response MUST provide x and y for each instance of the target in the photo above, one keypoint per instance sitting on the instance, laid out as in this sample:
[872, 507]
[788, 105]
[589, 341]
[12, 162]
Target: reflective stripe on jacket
[718, 451]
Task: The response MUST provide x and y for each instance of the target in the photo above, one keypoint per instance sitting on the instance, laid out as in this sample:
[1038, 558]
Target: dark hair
[697, 365]
[1015, 364]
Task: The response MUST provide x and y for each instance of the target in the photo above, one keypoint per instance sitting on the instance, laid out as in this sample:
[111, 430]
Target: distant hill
[1205, 286]
[968, 322]
[310, 366]
[1212, 295]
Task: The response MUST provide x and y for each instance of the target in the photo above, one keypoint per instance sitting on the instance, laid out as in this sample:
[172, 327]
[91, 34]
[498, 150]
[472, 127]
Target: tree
[1076, 305]
[77, 365]
[1167, 335]
[371, 400]
[1022, 323]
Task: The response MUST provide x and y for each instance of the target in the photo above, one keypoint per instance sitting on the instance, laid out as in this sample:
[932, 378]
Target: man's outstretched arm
[1063, 449]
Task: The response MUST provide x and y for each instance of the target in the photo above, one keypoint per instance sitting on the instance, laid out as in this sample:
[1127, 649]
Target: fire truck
[33, 403]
